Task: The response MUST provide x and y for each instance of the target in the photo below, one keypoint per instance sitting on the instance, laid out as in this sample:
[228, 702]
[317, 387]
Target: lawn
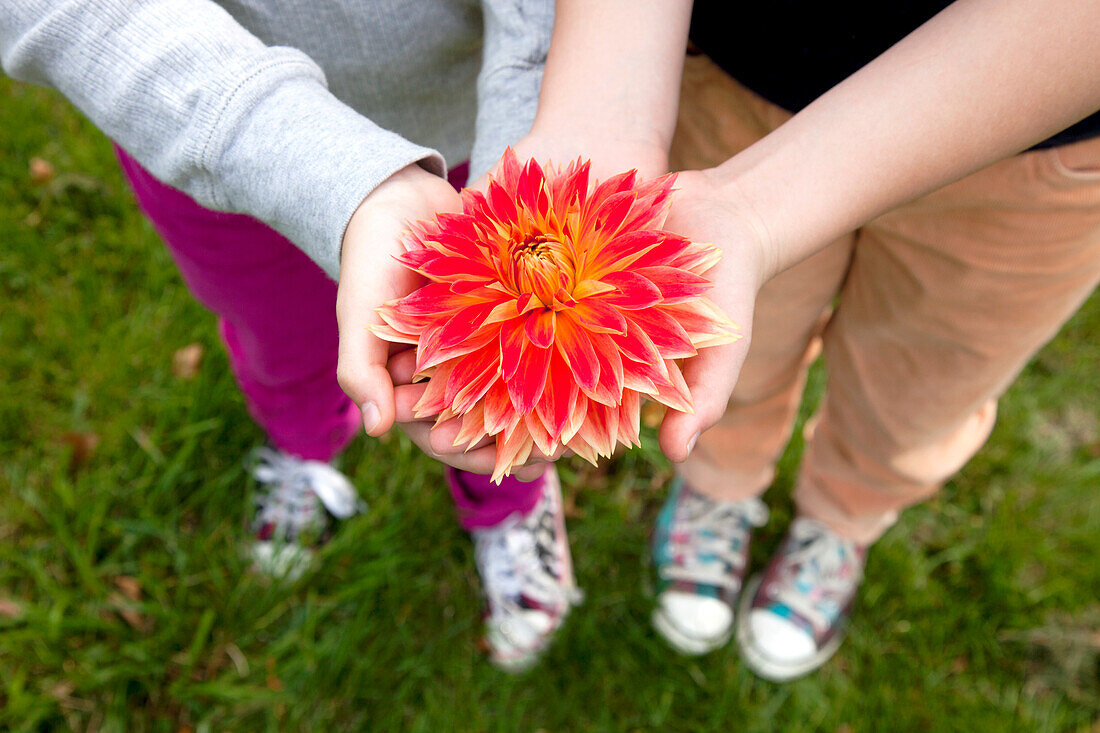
[125, 603]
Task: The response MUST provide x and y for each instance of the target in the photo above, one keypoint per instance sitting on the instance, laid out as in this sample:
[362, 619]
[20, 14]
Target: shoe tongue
[332, 488]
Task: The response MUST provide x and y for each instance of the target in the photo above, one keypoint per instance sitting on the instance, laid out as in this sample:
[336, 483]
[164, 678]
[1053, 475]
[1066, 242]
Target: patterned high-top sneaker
[701, 551]
[793, 616]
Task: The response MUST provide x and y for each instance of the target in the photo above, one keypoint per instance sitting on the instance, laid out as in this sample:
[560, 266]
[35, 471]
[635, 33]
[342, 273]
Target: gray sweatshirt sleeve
[211, 110]
[517, 39]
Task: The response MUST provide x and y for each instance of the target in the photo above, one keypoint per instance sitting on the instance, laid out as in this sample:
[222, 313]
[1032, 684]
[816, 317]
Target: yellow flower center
[543, 264]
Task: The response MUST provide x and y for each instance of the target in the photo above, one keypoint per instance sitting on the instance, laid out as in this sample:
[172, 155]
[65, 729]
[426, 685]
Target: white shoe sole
[692, 646]
[283, 561]
[522, 661]
[759, 662]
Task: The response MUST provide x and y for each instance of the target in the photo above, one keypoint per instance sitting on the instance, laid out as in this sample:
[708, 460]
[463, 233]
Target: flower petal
[471, 378]
[448, 269]
[530, 189]
[676, 285]
[667, 335]
[473, 426]
[431, 402]
[609, 390]
[526, 390]
[559, 397]
[503, 206]
[675, 392]
[499, 414]
[633, 292]
[597, 316]
[574, 345]
[630, 416]
[512, 451]
[541, 437]
[540, 327]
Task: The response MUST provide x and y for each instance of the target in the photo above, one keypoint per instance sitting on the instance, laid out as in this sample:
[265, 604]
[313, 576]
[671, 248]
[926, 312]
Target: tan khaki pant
[938, 306]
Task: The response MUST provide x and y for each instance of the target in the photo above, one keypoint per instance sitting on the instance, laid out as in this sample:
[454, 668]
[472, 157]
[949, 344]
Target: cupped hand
[707, 211]
[438, 441]
[370, 276]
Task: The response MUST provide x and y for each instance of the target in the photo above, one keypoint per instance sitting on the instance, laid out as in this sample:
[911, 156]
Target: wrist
[750, 219]
[409, 193]
[611, 150]
[599, 130]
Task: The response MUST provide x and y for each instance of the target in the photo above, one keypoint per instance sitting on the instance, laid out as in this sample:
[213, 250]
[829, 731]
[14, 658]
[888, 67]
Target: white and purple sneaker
[793, 616]
[297, 502]
[527, 579]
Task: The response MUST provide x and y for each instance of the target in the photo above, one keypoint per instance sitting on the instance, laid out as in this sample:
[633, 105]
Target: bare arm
[982, 80]
[614, 68]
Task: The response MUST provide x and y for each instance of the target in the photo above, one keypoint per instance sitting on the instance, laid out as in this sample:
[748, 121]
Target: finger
[402, 366]
[481, 461]
[710, 377]
[405, 398]
[368, 277]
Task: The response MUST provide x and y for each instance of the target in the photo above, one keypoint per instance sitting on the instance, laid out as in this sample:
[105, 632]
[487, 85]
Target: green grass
[125, 605]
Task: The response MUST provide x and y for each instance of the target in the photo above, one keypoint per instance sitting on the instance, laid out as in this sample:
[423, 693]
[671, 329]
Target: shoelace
[717, 532]
[294, 488]
[823, 561]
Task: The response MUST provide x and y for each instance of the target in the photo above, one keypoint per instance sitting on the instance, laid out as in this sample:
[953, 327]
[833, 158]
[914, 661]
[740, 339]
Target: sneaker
[701, 551]
[296, 503]
[793, 616]
[527, 578]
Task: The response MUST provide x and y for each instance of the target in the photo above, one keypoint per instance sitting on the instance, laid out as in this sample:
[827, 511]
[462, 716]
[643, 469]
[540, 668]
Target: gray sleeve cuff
[286, 151]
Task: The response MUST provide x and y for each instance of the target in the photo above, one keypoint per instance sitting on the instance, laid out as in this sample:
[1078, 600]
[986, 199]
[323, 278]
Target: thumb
[369, 276]
[710, 377]
[362, 374]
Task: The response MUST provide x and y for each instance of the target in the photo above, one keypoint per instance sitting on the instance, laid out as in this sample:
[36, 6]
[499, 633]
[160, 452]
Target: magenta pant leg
[276, 312]
[481, 503]
[277, 317]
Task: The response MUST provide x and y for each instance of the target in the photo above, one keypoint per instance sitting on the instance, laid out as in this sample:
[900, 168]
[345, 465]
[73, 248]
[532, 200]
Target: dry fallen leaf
[41, 170]
[129, 614]
[9, 608]
[273, 682]
[130, 587]
[569, 506]
[61, 690]
[186, 361]
[83, 445]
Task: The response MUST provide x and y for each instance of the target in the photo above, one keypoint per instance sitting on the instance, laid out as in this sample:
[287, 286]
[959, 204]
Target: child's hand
[438, 441]
[369, 276]
[704, 211]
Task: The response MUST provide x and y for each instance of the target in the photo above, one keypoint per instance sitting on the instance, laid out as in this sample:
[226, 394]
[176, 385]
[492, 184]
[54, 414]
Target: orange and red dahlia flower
[554, 305]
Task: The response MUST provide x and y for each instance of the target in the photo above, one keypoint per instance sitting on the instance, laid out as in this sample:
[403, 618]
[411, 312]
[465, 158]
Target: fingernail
[691, 443]
[371, 416]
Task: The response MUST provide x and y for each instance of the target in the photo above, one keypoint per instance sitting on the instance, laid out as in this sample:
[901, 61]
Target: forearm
[980, 81]
[614, 69]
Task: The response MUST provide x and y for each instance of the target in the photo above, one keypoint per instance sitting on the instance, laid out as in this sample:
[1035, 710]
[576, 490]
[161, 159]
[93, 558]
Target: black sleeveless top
[792, 51]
